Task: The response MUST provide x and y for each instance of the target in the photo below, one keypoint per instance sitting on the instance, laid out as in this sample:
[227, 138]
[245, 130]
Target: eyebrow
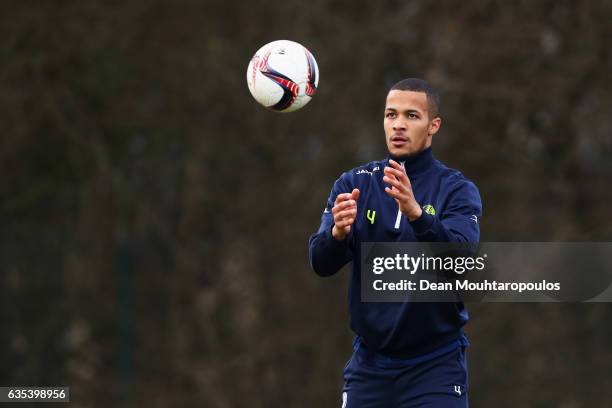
[406, 111]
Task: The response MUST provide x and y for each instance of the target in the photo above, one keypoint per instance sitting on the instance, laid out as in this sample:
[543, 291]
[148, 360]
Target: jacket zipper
[398, 219]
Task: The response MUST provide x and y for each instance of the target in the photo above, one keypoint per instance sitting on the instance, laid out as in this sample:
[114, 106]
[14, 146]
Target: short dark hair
[420, 85]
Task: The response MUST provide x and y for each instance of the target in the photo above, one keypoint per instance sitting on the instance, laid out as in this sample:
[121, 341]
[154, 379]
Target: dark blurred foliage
[155, 218]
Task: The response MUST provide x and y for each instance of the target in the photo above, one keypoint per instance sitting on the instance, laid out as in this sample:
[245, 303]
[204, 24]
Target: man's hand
[344, 211]
[401, 190]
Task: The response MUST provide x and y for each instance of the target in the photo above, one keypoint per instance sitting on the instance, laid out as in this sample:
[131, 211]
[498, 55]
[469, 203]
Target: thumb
[355, 194]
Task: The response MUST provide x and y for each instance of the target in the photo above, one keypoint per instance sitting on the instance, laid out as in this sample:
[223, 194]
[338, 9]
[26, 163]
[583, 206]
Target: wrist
[415, 213]
[338, 234]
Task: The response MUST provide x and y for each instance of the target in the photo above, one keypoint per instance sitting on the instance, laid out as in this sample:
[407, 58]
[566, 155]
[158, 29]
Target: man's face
[408, 127]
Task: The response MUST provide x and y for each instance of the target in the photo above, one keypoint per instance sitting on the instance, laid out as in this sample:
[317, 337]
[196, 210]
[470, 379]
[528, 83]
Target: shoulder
[454, 180]
[361, 174]
[367, 169]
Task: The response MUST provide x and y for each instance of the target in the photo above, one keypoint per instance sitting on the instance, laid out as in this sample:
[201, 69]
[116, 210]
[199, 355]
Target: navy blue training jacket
[400, 329]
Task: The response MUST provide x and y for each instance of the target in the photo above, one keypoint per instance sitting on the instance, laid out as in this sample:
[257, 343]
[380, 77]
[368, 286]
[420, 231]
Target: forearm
[428, 228]
[327, 254]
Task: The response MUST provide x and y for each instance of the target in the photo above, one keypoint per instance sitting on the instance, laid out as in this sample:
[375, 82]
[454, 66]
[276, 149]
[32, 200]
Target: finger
[396, 173]
[401, 185]
[355, 194]
[346, 204]
[342, 197]
[392, 173]
[350, 213]
[402, 177]
[395, 183]
[395, 164]
[395, 186]
[343, 205]
[337, 211]
[394, 193]
[346, 222]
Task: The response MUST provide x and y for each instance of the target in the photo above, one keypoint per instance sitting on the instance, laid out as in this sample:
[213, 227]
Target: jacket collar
[415, 163]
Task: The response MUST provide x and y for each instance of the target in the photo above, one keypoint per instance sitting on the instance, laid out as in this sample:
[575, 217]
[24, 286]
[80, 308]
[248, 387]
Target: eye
[413, 116]
[390, 115]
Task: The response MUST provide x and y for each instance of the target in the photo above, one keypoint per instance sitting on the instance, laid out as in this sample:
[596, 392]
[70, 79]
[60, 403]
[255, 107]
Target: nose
[399, 125]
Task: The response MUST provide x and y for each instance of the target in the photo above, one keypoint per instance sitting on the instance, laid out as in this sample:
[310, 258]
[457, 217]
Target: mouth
[399, 141]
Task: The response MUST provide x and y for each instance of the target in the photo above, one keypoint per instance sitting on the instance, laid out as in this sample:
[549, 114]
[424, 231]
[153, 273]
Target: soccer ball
[283, 76]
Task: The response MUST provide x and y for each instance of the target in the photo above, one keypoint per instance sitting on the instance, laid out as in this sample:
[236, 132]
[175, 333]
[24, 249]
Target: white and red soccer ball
[283, 76]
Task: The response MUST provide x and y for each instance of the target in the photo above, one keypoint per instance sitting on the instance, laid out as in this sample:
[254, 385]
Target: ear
[434, 126]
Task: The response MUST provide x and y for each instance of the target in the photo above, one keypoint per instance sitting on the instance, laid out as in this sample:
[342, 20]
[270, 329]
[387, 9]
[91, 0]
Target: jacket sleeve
[327, 255]
[459, 222]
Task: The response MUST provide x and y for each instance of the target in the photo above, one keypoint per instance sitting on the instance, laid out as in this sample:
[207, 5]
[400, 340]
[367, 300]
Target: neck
[416, 162]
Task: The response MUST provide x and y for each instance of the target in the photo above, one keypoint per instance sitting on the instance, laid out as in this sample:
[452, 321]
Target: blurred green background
[155, 218]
